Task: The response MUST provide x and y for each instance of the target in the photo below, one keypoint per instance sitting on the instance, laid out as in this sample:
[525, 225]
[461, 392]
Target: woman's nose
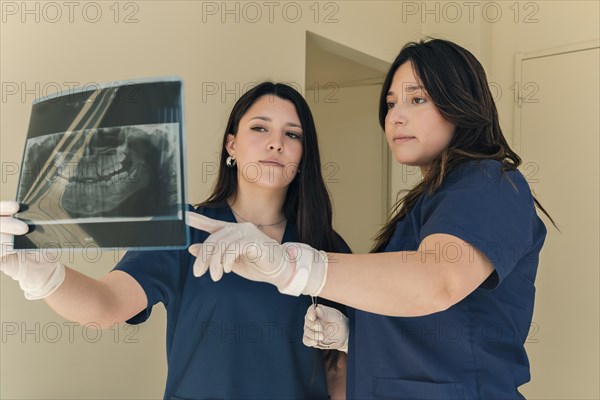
[397, 115]
[276, 143]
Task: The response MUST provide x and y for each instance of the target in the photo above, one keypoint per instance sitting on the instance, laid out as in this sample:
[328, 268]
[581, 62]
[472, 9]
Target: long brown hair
[457, 84]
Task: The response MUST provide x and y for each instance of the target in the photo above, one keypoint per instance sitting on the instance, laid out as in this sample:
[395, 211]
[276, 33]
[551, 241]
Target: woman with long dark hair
[234, 339]
[442, 307]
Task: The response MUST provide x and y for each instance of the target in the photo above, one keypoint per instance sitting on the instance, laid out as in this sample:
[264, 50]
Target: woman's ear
[230, 144]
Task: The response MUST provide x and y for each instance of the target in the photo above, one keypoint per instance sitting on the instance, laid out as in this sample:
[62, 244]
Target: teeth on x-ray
[105, 172]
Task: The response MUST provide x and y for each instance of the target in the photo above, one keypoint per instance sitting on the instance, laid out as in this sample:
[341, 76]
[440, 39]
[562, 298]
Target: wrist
[308, 270]
[39, 280]
[295, 283]
[318, 273]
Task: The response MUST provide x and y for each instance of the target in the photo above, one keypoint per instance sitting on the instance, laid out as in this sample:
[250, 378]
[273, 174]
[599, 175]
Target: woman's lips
[403, 139]
[271, 163]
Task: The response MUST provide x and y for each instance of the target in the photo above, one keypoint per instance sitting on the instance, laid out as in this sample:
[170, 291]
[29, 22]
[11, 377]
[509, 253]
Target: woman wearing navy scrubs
[236, 339]
[443, 308]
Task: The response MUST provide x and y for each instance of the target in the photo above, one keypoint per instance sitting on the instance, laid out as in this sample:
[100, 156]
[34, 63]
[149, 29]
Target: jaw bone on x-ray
[105, 185]
[128, 171]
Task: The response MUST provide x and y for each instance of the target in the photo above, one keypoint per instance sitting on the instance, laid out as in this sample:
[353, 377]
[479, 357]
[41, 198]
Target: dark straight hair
[457, 84]
[307, 203]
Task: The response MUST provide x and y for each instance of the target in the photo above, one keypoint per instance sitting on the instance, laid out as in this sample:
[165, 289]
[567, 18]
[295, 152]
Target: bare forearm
[83, 299]
[407, 284]
[80, 298]
[381, 283]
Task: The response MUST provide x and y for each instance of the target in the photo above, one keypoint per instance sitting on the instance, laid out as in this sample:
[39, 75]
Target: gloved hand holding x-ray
[39, 273]
[294, 268]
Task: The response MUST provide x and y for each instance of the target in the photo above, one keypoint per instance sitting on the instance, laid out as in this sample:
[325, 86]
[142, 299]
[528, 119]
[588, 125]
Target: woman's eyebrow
[261, 118]
[267, 119]
[413, 88]
[408, 88]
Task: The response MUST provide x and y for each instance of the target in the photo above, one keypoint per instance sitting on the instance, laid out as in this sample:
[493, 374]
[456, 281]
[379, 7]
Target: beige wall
[186, 39]
[351, 150]
[216, 60]
[183, 38]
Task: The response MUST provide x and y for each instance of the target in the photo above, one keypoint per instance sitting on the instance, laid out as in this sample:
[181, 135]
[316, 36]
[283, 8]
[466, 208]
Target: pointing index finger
[204, 223]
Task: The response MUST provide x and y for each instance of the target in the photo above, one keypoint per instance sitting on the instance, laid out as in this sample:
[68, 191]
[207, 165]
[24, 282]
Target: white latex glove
[325, 328]
[294, 268]
[37, 276]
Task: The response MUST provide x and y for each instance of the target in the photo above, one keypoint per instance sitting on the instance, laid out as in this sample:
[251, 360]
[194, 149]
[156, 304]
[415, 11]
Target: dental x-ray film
[103, 167]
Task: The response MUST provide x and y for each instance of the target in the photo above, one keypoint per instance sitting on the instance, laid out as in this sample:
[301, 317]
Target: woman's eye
[258, 129]
[418, 100]
[294, 135]
[390, 105]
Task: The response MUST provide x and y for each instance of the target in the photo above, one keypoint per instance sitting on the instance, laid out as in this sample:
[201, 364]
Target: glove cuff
[48, 287]
[300, 269]
[309, 270]
[318, 273]
[344, 348]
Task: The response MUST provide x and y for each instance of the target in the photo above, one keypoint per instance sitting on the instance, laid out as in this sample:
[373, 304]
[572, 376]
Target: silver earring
[230, 162]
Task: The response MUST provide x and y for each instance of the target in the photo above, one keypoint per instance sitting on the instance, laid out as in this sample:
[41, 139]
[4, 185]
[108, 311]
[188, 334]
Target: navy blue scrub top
[232, 339]
[475, 349]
